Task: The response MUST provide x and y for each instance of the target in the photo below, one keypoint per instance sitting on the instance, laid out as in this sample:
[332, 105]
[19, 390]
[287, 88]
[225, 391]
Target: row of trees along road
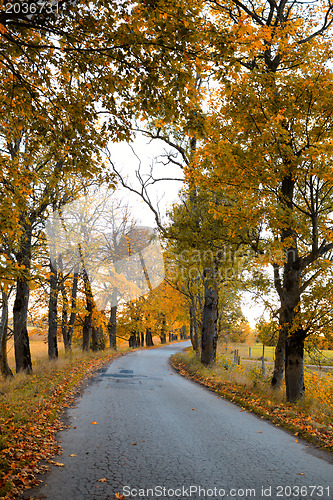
[72, 78]
[259, 137]
[247, 86]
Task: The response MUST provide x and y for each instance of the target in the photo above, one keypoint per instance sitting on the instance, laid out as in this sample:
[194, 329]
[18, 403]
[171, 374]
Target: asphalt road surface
[157, 435]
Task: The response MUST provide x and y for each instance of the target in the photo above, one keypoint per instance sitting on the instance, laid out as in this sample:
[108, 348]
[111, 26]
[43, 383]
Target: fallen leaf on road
[72, 455]
[94, 423]
[193, 409]
[259, 432]
[134, 443]
[120, 496]
[103, 480]
[58, 464]
[301, 474]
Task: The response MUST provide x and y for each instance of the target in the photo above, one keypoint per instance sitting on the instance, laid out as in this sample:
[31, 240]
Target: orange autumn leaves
[29, 421]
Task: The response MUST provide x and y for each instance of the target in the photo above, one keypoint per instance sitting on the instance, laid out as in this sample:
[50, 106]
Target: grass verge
[30, 408]
[310, 419]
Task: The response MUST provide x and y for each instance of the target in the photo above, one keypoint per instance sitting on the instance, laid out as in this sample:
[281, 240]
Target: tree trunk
[149, 338]
[112, 327]
[294, 341]
[209, 319]
[193, 316]
[191, 329]
[94, 337]
[4, 367]
[72, 318]
[112, 324]
[64, 320]
[162, 334]
[86, 333]
[290, 296]
[21, 338]
[20, 310]
[100, 338]
[294, 366]
[65, 308]
[52, 317]
[142, 343]
[280, 359]
[132, 340]
[90, 333]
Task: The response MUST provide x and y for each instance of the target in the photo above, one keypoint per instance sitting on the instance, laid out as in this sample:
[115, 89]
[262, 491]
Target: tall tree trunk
[191, 329]
[291, 333]
[86, 333]
[132, 340]
[163, 333]
[64, 319]
[4, 367]
[52, 316]
[100, 338]
[95, 345]
[149, 338]
[112, 324]
[193, 318]
[65, 306]
[90, 333]
[20, 310]
[112, 327]
[280, 359]
[294, 366]
[72, 318]
[21, 338]
[209, 318]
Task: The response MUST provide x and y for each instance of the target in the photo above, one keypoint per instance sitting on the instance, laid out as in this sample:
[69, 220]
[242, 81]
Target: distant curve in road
[159, 435]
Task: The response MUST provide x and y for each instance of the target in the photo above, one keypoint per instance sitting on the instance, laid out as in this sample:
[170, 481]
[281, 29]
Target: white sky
[142, 153]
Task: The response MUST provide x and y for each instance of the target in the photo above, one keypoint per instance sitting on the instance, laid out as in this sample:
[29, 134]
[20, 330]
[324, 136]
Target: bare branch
[142, 192]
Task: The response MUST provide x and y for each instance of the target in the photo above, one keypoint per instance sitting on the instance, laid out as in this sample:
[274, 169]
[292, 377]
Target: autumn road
[142, 431]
